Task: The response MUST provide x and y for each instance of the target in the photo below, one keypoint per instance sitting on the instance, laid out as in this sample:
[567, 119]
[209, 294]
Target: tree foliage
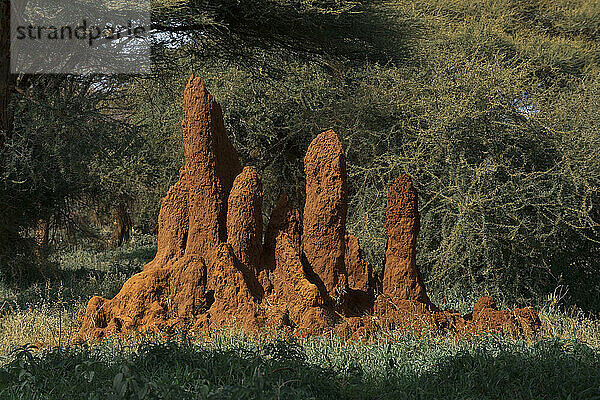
[64, 162]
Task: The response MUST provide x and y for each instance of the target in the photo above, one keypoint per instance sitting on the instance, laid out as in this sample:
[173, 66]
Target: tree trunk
[42, 235]
[5, 76]
[42, 249]
[8, 230]
[122, 224]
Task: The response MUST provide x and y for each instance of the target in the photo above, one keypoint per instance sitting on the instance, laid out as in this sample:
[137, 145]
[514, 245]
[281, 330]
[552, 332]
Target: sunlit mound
[213, 269]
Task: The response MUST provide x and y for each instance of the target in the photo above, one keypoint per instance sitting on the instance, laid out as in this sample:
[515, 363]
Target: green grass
[563, 362]
[49, 313]
[238, 367]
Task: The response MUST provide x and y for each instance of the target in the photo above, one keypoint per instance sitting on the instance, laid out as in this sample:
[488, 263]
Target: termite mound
[308, 276]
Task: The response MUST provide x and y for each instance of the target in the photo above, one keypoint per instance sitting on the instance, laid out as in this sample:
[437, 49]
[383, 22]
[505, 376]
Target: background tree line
[492, 106]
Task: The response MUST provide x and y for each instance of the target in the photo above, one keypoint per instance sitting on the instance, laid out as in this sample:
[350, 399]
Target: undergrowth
[234, 366]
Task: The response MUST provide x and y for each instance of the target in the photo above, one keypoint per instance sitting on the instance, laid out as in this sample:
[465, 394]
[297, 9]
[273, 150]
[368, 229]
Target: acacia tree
[66, 157]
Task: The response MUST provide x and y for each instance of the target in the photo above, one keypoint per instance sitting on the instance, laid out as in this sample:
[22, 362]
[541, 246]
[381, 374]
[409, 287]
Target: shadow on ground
[282, 370]
[80, 274]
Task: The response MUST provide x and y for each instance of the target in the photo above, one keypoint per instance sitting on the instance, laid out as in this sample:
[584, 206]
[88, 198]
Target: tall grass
[229, 365]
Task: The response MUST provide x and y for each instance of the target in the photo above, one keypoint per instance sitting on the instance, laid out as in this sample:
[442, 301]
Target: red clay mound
[172, 289]
[360, 275]
[324, 223]
[359, 293]
[212, 164]
[283, 219]
[401, 277]
[212, 270]
[244, 219]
